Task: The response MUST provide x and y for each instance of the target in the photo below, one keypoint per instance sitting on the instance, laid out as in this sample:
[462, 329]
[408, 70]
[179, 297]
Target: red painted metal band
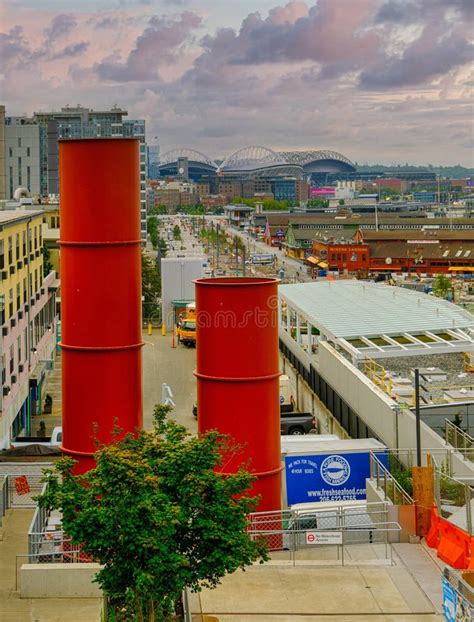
[133, 346]
[95, 243]
[239, 282]
[247, 379]
[75, 452]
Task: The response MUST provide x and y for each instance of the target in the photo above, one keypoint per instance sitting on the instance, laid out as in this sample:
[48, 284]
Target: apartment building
[28, 321]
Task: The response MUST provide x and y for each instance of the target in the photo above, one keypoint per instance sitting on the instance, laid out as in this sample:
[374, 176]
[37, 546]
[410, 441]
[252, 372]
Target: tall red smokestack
[238, 374]
[100, 292]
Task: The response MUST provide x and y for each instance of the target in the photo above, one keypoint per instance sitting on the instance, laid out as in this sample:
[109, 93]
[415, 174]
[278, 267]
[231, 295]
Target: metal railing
[26, 499]
[4, 497]
[386, 481]
[454, 500]
[379, 375]
[37, 528]
[459, 439]
[406, 458]
[315, 529]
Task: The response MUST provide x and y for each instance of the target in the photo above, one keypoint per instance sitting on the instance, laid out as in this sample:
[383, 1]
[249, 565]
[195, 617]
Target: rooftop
[12, 216]
[381, 321]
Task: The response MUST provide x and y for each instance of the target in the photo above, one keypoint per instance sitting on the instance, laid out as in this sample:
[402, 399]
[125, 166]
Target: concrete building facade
[80, 122]
[28, 319]
[2, 154]
[22, 155]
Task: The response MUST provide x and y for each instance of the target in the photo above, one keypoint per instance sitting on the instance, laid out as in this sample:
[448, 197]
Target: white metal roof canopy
[369, 320]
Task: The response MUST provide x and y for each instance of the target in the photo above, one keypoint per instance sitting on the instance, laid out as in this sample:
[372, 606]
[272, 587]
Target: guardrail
[289, 531]
[454, 500]
[459, 439]
[385, 481]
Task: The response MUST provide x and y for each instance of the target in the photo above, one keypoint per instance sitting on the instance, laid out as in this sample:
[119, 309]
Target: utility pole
[218, 229]
[243, 260]
[236, 254]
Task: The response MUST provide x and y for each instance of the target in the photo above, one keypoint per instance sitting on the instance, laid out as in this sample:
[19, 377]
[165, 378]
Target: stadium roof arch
[316, 161]
[256, 161]
[184, 152]
[199, 163]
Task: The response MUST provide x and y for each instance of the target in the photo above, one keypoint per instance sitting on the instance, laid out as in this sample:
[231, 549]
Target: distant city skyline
[377, 80]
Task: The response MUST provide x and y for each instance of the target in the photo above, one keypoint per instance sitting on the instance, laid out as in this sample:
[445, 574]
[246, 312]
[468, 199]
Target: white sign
[422, 241]
[324, 537]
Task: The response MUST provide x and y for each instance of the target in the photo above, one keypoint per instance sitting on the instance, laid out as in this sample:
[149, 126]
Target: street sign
[324, 537]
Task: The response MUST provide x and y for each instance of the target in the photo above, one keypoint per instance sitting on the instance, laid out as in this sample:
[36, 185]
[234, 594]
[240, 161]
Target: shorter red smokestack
[238, 374]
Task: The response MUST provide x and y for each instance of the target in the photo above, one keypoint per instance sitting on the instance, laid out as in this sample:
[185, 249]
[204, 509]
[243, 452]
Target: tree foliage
[47, 265]
[177, 232]
[158, 516]
[151, 287]
[321, 203]
[442, 285]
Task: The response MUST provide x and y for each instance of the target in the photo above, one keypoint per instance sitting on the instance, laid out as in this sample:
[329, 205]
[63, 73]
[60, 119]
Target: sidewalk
[311, 592]
[15, 609]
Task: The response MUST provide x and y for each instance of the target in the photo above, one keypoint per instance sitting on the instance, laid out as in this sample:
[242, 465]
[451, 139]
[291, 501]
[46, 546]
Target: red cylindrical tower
[238, 374]
[100, 292]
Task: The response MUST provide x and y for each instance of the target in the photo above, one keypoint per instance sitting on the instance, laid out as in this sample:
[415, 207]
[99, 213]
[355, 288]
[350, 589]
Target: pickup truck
[296, 423]
[53, 441]
[293, 423]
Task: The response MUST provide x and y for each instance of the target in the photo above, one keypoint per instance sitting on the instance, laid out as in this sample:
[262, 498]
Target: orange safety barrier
[454, 545]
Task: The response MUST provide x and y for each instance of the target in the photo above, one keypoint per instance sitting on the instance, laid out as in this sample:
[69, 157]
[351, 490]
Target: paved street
[174, 366]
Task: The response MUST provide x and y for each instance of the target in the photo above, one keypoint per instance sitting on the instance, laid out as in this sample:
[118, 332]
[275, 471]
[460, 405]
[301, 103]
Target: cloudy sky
[378, 80]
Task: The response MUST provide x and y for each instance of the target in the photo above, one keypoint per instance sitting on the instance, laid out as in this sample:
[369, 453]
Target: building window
[19, 348]
[18, 296]
[2, 256]
[12, 359]
[17, 240]
[28, 152]
[10, 152]
[364, 257]
[19, 142]
[25, 290]
[24, 242]
[19, 172]
[10, 301]
[10, 249]
[28, 177]
[11, 181]
[35, 235]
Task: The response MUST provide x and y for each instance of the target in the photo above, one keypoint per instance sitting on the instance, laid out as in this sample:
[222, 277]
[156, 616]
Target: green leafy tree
[177, 232]
[158, 515]
[152, 229]
[158, 210]
[151, 288]
[442, 285]
[47, 265]
[322, 203]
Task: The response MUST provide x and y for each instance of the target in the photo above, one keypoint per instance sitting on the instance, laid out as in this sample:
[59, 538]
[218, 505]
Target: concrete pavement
[276, 593]
[173, 366]
[16, 609]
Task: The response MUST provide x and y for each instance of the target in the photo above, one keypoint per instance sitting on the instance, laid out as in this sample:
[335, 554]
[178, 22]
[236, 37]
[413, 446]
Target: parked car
[293, 423]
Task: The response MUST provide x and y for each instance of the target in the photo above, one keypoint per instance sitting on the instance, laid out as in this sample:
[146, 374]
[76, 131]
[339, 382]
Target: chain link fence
[315, 530]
